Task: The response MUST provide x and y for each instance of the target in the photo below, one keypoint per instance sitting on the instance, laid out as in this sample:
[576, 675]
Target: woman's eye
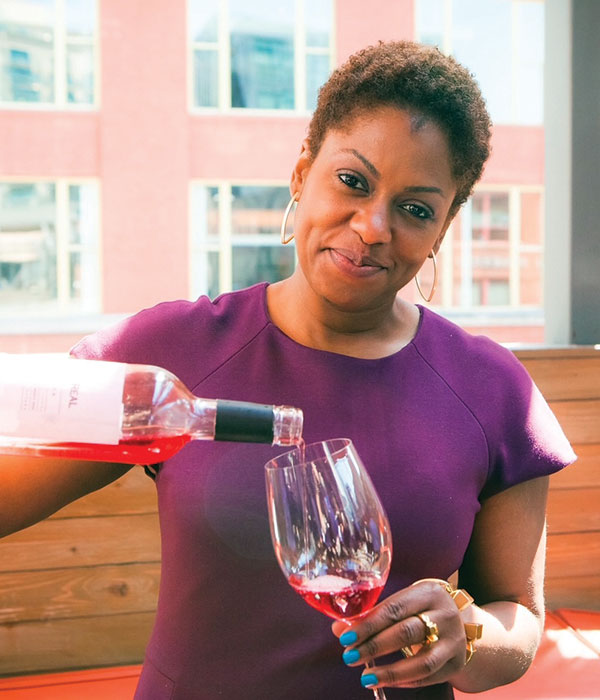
[352, 181]
[418, 211]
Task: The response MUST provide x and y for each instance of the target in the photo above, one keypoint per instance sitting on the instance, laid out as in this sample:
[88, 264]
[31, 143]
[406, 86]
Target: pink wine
[338, 597]
[142, 450]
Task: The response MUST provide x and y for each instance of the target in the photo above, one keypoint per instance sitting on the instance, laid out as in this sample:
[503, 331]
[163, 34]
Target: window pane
[212, 274]
[252, 264]
[84, 281]
[430, 22]
[490, 216]
[498, 294]
[258, 209]
[27, 58]
[490, 60]
[206, 78]
[317, 72]
[27, 244]
[205, 213]
[529, 47]
[318, 19]
[203, 20]
[83, 216]
[80, 74]
[75, 276]
[81, 17]
[262, 54]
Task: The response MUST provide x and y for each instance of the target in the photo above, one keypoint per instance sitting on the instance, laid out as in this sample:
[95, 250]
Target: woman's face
[372, 205]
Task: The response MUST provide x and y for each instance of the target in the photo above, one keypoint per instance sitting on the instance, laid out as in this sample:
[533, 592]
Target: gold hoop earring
[288, 209]
[434, 285]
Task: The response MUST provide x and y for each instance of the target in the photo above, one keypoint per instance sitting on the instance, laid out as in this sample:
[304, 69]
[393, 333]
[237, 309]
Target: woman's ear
[300, 171]
[440, 238]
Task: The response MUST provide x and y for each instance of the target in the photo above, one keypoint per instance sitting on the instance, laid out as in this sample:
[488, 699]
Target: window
[48, 52]
[492, 256]
[269, 54]
[501, 41]
[235, 236]
[48, 247]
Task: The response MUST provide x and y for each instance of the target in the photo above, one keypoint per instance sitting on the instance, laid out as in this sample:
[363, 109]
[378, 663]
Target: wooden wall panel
[76, 542]
[584, 473]
[78, 592]
[573, 554]
[80, 588]
[105, 640]
[573, 510]
[569, 378]
[564, 378]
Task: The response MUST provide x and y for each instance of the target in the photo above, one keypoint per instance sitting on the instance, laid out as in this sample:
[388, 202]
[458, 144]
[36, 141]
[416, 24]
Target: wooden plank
[579, 419]
[575, 553]
[134, 493]
[32, 647]
[56, 544]
[525, 353]
[84, 591]
[585, 472]
[574, 510]
[582, 593]
[564, 378]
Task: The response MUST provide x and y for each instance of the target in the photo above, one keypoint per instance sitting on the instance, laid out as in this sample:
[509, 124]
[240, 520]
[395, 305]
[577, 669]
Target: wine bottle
[58, 406]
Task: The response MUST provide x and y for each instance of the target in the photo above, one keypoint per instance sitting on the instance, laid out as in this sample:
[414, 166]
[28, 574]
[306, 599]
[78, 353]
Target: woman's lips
[355, 264]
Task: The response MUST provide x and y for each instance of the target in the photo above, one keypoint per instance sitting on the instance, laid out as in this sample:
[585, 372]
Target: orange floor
[567, 667]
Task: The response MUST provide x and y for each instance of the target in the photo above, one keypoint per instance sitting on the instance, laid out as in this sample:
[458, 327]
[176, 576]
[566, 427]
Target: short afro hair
[422, 80]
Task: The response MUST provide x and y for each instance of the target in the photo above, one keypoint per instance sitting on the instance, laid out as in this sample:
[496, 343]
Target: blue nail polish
[348, 638]
[368, 680]
[351, 656]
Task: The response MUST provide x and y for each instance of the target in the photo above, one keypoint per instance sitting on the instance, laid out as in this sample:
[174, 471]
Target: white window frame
[226, 240]
[61, 41]
[223, 48]
[63, 305]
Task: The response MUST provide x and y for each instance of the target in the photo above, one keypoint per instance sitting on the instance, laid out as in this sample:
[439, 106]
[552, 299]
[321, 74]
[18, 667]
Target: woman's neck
[314, 322]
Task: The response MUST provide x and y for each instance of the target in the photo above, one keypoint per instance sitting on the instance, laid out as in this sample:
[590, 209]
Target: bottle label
[60, 399]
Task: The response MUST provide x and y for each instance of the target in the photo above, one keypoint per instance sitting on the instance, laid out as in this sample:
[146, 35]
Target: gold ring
[431, 629]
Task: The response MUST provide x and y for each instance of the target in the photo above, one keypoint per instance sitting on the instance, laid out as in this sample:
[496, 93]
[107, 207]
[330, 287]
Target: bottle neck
[240, 421]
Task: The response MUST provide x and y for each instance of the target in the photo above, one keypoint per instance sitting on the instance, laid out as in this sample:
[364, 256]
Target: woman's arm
[32, 488]
[503, 570]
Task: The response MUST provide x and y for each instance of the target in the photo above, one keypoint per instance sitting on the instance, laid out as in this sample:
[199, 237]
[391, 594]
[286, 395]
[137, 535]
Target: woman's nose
[372, 222]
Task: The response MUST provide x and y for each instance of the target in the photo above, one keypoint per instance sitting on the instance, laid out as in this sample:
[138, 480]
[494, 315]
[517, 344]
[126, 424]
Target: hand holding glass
[330, 532]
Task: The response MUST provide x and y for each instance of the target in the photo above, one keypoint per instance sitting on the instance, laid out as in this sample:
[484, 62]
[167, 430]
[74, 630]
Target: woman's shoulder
[485, 375]
[455, 351]
[185, 337]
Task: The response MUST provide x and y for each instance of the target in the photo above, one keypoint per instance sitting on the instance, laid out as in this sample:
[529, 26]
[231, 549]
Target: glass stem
[377, 692]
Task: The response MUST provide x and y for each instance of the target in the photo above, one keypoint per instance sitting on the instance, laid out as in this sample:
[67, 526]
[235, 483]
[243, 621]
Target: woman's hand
[394, 625]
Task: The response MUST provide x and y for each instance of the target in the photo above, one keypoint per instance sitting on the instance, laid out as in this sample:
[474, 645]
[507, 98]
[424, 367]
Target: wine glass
[330, 532]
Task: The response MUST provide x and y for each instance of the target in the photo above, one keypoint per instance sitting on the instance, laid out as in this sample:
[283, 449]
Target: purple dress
[447, 421]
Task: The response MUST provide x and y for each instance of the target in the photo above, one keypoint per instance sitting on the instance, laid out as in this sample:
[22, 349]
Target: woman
[457, 440]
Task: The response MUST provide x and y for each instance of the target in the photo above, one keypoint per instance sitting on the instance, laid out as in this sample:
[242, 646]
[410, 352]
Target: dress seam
[464, 403]
[231, 357]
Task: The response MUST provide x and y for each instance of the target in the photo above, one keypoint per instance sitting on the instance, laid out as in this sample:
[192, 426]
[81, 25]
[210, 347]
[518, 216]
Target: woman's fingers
[428, 667]
[423, 619]
[409, 632]
[398, 608]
